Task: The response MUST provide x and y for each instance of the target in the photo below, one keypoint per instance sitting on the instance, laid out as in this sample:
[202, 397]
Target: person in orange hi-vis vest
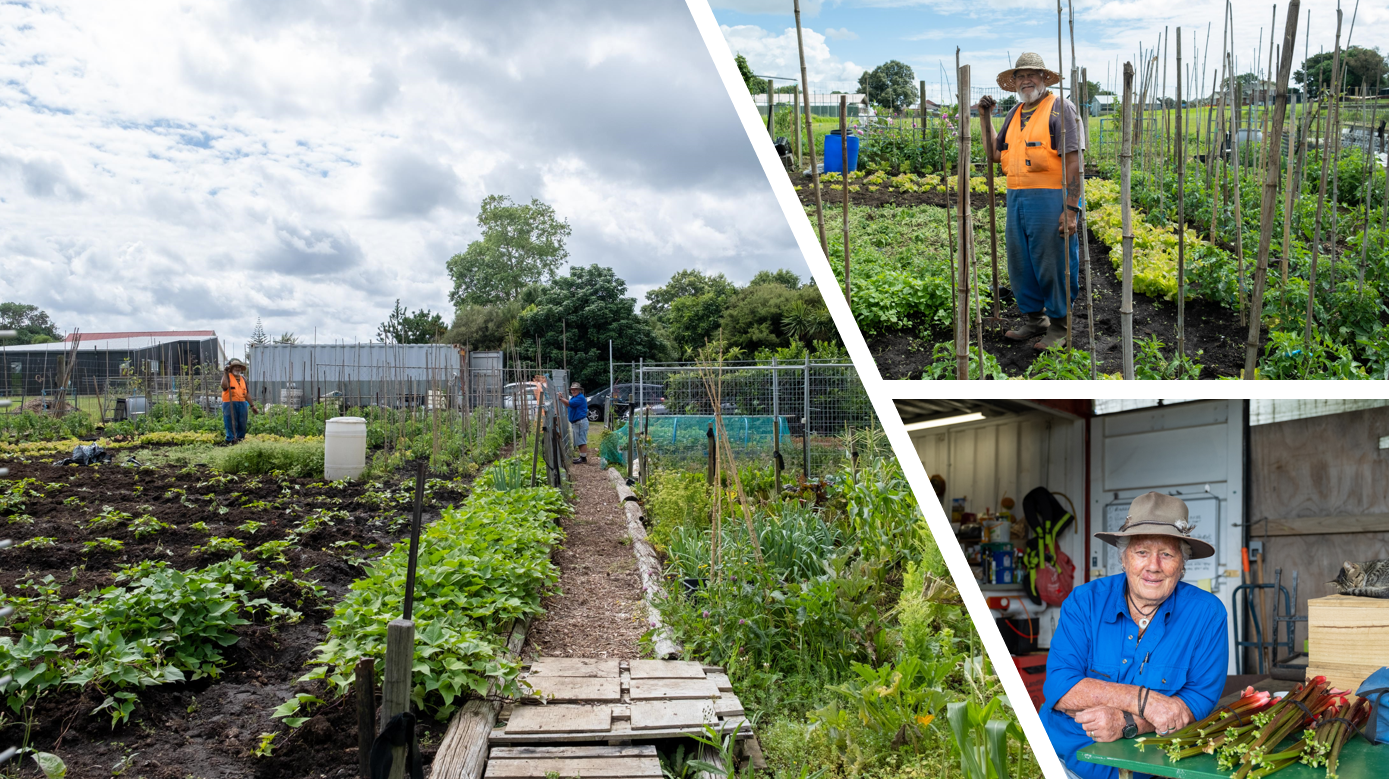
[236, 401]
[1043, 200]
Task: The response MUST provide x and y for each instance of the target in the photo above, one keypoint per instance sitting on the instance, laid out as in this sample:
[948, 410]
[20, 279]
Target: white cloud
[808, 8]
[175, 165]
[842, 34]
[775, 54]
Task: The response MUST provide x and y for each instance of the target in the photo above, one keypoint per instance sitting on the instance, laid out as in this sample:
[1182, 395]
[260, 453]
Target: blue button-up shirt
[578, 407]
[1183, 653]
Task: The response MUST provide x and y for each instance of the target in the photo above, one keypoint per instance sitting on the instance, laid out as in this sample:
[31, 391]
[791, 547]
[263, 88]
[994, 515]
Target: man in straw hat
[235, 400]
[1043, 200]
[578, 420]
[1140, 651]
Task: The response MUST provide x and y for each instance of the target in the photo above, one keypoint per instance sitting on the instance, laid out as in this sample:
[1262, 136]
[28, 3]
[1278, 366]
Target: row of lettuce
[837, 625]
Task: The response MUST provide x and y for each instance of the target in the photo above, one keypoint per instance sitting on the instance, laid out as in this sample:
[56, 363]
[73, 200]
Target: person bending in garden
[578, 420]
[235, 400]
[1139, 651]
[1042, 205]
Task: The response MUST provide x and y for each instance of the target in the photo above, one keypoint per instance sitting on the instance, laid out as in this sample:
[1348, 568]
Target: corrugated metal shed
[1262, 411]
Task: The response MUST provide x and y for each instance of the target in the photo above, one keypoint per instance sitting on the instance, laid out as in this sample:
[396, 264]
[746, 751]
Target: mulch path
[598, 612]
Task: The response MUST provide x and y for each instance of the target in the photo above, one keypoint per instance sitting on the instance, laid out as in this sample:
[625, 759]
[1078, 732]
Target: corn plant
[980, 738]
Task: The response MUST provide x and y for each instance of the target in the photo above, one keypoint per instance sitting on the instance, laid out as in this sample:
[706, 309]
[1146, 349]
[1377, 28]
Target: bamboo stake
[997, 318]
[962, 194]
[1181, 214]
[1238, 196]
[810, 135]
[1321, 201]
[844, 185]
[1125, 174]
[1081, 233]
[1271, 162]
[1369, 177]
[1288, 210]
[1065, 187]
[1162, 124]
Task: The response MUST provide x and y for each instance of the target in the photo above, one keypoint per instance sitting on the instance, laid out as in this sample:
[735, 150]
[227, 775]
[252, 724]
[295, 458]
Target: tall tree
[287, 338]
[892, 84]
[784, 277]
[31, 324]
[521, 245]
[421, 327]
[579, 313]
[258, 336]
[1360, 65]
[754, 84]
[683, 284]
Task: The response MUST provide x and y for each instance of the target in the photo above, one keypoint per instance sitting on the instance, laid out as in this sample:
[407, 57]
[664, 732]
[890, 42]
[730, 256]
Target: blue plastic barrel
[834, 148]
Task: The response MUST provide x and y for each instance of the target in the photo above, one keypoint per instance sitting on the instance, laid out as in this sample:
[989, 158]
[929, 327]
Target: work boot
[1056, 334]
[1033, 326]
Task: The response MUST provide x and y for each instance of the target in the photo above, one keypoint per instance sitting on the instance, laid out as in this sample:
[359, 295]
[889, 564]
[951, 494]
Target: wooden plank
[567, 768]
[721, 679]
[618, 731]
[1346, 638]
[728, 705]
[560, 719]
[570, 689]
[574, 666]
[1317, 526]
[515, 753]
[655, 715]
[622, 711]
[648, 565]
[673, 689]
[666, 669]
[713, 669]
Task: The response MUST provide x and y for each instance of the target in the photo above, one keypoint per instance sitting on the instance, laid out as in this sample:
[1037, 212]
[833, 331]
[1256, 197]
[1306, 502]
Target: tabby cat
[1369, 579]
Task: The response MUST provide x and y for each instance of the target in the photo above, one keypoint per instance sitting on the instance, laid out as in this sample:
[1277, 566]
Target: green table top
[1359, 760]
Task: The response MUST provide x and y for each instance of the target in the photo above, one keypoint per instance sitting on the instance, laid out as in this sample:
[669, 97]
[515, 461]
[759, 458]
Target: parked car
[527, 391]
[623, 396]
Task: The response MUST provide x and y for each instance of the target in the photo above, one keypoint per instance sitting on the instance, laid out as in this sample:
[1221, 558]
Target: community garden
[1258, 259]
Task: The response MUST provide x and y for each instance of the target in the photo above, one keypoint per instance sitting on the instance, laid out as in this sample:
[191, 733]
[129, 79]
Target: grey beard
[1029, 95]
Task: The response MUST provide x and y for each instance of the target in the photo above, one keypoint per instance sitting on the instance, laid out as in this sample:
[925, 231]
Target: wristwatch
[1130, 727]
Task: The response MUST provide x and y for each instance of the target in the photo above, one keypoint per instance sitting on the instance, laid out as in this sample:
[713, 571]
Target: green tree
[421, 327]
[784, 277]
[892, 84]
[287, 338]
[30, 324]
[754, 84]
[521, 245]
[1361, 65]
[683, 284]
[486, 327]
[771, 316]
[258, 336]
[578, 314]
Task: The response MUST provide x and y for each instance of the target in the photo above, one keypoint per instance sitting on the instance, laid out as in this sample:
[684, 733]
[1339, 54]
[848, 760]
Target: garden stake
[844, 186]
[1369, 177]
[1163, 128]
[1287, 212]
[1181, 215]
[1271, 162]
[949, 210]
[962, 194]
[1125, 173]
[923, 114]
[810, 135]
[1082, 232]
[366, 713]
[795, 121]
[1065, 187]
[1321, 201]
[997, 318]
[1235, 98]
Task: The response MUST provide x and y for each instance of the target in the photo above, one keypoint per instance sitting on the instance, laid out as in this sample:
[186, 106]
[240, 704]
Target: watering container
[834, 148]
[344, 448]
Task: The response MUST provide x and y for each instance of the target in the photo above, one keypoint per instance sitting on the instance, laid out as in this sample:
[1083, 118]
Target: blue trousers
[1035, 264]
[234, 419]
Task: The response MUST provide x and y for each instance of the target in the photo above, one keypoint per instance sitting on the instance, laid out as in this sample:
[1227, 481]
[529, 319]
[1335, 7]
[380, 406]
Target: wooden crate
[1348, 638]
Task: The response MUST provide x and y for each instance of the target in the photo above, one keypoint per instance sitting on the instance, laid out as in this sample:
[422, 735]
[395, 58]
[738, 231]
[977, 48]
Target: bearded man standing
[1043, 201]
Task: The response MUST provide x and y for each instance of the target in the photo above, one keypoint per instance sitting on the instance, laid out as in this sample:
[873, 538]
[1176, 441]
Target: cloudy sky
[193, 165]
[845, 37]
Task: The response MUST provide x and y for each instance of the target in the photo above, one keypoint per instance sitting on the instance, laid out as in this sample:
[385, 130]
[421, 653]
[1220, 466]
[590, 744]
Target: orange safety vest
[1028, 159]
[237, 391]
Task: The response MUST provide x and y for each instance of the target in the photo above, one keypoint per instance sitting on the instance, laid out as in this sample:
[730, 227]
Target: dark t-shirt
[1074, 141]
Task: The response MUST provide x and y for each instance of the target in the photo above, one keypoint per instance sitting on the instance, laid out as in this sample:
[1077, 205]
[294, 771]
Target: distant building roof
[142, 339]
[177, 335]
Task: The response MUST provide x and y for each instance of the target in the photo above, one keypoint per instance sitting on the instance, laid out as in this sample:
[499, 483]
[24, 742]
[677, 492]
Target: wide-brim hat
[235, 363]
[577, 386]
[1028, 61]
[1156, 514]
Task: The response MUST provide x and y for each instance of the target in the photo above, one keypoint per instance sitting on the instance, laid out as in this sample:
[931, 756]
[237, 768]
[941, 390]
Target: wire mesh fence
[801, 412]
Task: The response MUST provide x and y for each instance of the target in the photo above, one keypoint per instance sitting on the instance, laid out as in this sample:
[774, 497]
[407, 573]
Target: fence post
[776, 431]
[709, 458]
[805, 422]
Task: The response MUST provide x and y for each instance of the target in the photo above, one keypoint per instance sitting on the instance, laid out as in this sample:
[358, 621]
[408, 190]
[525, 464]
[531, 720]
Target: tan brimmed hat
[577, 386]
[1155, 514]
[235, 363]
[1028, 61]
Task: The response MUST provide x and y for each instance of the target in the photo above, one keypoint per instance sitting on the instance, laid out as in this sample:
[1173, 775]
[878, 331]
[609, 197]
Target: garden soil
[598, 612]
[207, 728]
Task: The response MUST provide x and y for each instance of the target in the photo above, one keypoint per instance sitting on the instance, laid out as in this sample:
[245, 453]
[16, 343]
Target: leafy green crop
[481, 566]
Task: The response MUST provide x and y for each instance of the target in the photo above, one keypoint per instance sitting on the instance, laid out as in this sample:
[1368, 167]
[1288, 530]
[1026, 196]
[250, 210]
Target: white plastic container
[344, 448]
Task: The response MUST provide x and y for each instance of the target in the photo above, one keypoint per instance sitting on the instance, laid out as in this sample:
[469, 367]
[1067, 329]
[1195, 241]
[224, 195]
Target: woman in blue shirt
[1139, 651]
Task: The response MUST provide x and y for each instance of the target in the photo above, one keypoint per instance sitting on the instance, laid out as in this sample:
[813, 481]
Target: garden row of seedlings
[1171, 141]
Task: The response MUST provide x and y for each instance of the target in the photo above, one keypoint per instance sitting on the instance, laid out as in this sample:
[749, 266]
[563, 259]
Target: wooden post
[796, 121]
[1126, 211]
[1235, 98]
[997, 318]
[1280, 103]
[395, 694]
[921, 109]
[810, 136]
[844, 185]
[1288, 209]
[962, 195]
[776, 431]
[366, 713]
[1082, 220]
[1065, 187]
[709, 455]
